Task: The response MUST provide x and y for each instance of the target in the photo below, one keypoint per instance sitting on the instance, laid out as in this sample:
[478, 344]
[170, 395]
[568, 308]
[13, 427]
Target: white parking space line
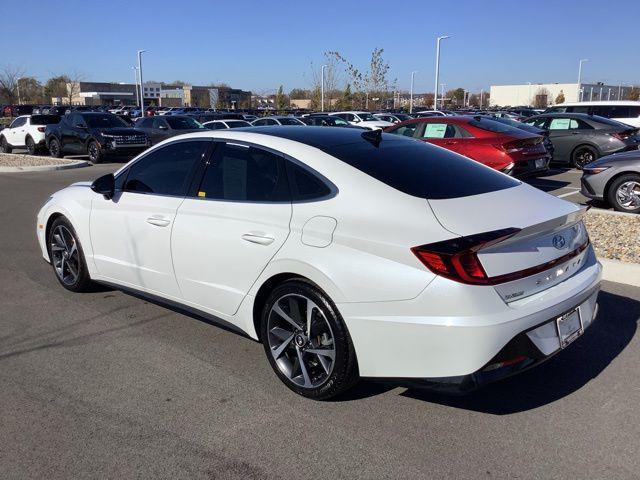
[568, 193]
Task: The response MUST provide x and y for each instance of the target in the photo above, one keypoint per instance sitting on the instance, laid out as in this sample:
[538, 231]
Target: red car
[499, 146]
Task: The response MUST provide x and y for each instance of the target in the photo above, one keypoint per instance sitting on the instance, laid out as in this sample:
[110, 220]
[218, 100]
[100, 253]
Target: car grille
[130, 139]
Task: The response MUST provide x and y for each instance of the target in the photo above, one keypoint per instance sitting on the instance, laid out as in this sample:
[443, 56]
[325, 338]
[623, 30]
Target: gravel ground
[615, 236]
[20, 160]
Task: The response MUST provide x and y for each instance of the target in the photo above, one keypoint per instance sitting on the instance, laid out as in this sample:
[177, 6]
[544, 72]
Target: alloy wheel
[64, 255]
[301, 340]
[628, 195]
[93, 152]
[583, 157]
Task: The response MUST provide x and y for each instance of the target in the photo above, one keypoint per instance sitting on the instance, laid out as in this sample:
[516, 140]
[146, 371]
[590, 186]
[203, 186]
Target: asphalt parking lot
[108, 385]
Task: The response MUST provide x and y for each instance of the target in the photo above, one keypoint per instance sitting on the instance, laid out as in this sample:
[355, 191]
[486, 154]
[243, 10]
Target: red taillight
[41, 129]
[624, 135]
[457, 259]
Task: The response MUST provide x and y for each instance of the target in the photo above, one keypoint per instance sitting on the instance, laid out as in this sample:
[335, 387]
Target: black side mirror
[105, 185]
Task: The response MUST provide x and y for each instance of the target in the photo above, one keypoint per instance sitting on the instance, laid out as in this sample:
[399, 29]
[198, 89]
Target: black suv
[98, 135]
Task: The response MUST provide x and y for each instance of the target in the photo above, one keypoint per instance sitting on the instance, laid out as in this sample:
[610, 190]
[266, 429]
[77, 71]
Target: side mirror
[105, 185]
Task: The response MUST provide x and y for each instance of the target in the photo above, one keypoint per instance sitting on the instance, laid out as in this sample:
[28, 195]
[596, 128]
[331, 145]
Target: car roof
[597, 103]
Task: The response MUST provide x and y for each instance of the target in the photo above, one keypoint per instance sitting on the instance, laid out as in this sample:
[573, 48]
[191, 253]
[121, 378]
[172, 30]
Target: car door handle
[158, 221]
[259, 238]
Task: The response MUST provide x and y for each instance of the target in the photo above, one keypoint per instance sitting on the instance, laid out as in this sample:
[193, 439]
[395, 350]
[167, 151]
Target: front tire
[583, 155]
[4, 146]
[94, 152]
[55, 150]
[67, 257]
[624, 193]
[307, 342]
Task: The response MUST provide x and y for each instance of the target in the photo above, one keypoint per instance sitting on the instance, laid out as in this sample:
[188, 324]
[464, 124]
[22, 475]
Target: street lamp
[135, 74]
[322, 88]
[411, 93]
[140, 52]
[580, 75]
[18, 87]
[435, 91]
[442, 85]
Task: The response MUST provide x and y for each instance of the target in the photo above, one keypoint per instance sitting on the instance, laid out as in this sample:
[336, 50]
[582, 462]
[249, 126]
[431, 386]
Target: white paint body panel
[403, 319]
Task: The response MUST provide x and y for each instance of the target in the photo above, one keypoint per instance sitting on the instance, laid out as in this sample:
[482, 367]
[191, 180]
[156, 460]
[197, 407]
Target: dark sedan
[579, 139]
[161, 128]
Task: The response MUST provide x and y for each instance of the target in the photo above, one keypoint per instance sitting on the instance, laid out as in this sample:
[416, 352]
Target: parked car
[276, 120]
[623, 111]
[579, 138]
[58, 110]
[336, 249]
[161, 128]
[510, 150]
[429, 113]
[223, 124]
[362, 119]
[327, 121]
[98, 135]
[393, 117]
[17, 110]
[27, 131]
[614, 179]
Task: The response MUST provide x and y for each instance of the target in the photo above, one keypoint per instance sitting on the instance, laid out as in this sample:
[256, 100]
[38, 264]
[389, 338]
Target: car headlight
[593, 170]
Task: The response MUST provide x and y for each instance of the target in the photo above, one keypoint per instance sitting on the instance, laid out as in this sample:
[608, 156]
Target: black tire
[582, 155]
[54, 148]
[31, 146]
[71, 269]
[616, 197]
[4, 146]
[343, 373]
[94, 151]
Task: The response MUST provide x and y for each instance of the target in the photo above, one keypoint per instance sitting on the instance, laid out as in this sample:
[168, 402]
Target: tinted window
[18, 122]
[238, 124]
[438, 130]
[103, 121]
[537, 122]
[166, 170]
[289, 121]
[420, 169]
[262, 122]
[407, 129]
[305, 185]
[243, 173]
[44, 119]
[492, 126]
[182, 123]
[634, 112]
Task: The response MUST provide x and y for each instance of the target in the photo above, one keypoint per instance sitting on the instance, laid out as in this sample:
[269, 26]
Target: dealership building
[110, 93]
[542, 95]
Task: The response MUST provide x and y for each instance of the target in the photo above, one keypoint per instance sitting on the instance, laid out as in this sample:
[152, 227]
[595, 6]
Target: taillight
[457, 258]
[623, 135]
[41, 129]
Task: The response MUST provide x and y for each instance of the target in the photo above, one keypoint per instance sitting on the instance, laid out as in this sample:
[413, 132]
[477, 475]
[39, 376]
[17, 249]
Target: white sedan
[346, 253]
[26, 131]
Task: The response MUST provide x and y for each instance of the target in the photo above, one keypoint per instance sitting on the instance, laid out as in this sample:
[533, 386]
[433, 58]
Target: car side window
[305, 186]
[166, 170]
[146, 123]
[260, 123]
[78, 120]
[567, 124]
[438, 130]
[406, 130]
[158, 122]
[537, 122]
[244, 173]
[18, 122]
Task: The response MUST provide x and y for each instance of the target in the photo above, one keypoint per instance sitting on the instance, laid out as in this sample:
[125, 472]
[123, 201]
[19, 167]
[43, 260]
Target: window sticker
[435, 130]
[560, 124]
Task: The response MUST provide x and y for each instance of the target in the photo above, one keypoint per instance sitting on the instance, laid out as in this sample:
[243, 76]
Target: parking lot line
[568, 193]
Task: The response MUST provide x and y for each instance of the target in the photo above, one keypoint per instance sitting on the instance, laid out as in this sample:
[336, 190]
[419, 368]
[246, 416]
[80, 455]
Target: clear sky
[258, 45]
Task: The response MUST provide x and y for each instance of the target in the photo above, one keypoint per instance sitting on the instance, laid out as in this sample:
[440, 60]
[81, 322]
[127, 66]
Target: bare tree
[332, 78]
[9, 76]
[73, 86]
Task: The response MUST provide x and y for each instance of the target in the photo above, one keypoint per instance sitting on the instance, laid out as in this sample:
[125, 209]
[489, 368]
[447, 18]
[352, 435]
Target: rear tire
[4, 146]
[31, 146]
[54, 148]
[94, 152]
[624, 193]
[67, 257]
[583, 155]
[307, 342]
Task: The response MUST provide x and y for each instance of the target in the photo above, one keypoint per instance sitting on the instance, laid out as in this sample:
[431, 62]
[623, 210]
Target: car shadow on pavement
[546, 184]
[567, 372]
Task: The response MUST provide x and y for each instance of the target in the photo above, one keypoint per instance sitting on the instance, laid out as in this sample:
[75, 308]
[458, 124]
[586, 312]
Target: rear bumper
[451, 332]
[523, 168]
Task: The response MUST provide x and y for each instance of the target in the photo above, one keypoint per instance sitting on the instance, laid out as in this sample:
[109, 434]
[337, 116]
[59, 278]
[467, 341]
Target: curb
[46, 168]
[615, 213]
[620, 272]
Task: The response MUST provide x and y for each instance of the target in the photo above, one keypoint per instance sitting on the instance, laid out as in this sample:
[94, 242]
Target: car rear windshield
[491, 126]
[104, 121]
[44, 119]
[420, 169]
[289, 121]
[183, 123]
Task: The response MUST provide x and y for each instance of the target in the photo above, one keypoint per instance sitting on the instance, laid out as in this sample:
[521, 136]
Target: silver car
[614, 179]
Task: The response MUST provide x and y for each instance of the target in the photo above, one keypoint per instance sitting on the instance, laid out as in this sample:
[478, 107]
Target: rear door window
[406, 129]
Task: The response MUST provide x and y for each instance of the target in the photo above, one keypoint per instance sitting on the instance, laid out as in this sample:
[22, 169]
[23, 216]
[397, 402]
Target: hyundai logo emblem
[559, 242]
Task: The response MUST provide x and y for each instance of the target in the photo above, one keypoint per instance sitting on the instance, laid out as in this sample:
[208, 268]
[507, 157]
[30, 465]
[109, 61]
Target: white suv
[26, 131]
[363, 119]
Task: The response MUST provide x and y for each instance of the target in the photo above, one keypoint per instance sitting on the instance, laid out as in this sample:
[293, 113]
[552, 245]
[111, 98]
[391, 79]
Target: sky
[259, 45]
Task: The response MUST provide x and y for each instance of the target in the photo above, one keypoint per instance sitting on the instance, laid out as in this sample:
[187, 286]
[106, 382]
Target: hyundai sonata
[346, 253]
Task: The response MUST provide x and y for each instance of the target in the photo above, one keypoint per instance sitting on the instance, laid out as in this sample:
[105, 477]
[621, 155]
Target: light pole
[435, 91]
[411, 92]
[322, 88]
[18, 87]
[135, 74]
[582, 60]
[140, 52]
[442, 85]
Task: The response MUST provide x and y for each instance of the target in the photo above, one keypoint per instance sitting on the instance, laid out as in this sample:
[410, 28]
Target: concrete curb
[620, 272]
[46, 168]
[615, 213]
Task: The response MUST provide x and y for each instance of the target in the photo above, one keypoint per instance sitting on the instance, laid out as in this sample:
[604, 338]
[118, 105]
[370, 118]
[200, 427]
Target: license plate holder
[569, 327]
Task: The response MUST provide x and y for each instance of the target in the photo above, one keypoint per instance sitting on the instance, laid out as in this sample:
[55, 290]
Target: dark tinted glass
[182, 123]
[305, 185]
[420, 169]
[245, 174]
[106, 120]
[166, 171]
[492, 126]
[44, 119]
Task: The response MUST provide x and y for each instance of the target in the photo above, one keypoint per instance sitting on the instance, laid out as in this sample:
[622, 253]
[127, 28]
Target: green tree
[300, 94]
[281, 99]
[56, 87]
[346, 100]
